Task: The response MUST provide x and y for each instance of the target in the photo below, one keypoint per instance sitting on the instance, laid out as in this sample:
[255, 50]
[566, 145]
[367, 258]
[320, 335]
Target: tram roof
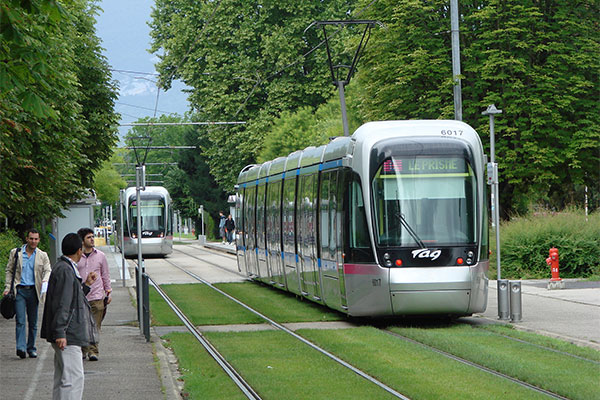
[364, 137]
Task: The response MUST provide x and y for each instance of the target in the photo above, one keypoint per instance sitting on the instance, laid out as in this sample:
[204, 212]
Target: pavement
[127, 366]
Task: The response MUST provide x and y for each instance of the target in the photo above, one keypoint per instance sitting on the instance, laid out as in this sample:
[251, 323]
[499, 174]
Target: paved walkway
[126, 369]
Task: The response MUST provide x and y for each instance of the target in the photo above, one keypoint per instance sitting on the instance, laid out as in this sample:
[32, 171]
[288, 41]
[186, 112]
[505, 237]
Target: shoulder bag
[7, 304]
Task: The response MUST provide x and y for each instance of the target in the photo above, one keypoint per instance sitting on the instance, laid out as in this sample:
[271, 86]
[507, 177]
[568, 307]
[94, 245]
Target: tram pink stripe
[361, 269]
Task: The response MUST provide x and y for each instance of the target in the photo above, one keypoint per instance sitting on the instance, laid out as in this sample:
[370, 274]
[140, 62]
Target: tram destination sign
[424, 165]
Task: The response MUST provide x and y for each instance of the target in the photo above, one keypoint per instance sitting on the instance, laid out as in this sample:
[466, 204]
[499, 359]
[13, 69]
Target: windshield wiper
[409, 229]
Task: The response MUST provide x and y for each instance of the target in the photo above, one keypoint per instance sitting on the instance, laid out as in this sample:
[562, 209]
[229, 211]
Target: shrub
[525, 242]
[8, 241]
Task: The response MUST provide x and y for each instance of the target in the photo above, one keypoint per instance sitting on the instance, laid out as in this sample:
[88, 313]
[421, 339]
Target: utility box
[76, 215]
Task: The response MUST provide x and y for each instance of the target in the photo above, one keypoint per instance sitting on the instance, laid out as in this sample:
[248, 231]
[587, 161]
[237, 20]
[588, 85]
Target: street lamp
[492, 167]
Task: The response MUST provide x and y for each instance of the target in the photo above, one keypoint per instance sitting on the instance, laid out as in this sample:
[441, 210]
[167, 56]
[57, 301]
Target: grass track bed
[203, 377]
[545, 341]
[412, 370]
[201, 304]
[205, 306]
[570, 377]
[277, 366]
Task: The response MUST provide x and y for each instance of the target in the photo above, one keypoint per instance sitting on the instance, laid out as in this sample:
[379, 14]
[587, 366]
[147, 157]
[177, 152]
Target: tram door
[239, 241]
[307, 236]
[250, 232]
[288, 228]
[273, 213]
[330, 237]
[261, 245]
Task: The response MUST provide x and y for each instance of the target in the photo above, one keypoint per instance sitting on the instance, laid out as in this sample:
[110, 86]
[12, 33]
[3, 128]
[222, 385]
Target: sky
[123, 28]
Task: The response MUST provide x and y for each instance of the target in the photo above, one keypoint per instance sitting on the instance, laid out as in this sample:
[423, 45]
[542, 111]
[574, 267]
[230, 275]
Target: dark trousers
[26, 306]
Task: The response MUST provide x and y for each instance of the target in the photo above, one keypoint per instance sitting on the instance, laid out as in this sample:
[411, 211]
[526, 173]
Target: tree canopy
[57, 122]
[243, 61]
[538, 61]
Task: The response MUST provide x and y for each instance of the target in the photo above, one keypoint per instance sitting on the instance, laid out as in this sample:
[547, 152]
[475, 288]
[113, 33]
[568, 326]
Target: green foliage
[537, 61]
[307, 127]
[232, 53]
[8, 241]
[190, 183]
[525, 243]
[57, 122]
[108, 182]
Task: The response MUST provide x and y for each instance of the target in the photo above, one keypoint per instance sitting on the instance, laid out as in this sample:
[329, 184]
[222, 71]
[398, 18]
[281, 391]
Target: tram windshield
[153, 216]
[424, 201]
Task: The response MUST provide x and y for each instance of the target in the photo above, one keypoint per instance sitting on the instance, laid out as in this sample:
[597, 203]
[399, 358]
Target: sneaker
[21, 354]
[93, 357]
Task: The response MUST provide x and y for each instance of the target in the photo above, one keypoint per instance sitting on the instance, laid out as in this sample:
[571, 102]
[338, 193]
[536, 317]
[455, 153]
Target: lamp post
[139, 186]
[492, 167]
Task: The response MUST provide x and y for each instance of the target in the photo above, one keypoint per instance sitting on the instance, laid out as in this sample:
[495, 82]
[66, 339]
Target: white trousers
[68, 373]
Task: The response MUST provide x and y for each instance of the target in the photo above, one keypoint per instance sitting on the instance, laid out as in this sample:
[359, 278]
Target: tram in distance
[157, 222]
[390, 221]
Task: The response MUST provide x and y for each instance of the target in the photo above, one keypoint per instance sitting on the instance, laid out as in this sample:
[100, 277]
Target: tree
[56, 118]
[190, 183]
[536, 60]
[108, 182]
[243, 61]
[309, 127]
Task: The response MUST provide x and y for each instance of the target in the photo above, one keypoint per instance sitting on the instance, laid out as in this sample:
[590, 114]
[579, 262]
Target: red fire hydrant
[552, 261]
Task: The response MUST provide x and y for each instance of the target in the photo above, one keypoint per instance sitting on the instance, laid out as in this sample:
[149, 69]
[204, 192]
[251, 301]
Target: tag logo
[426, 253]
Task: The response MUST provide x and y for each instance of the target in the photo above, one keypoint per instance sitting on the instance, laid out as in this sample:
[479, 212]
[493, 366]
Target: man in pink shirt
[94, 260]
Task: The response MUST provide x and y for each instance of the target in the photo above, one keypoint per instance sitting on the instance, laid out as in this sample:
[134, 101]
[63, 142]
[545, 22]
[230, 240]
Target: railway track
[337, 359]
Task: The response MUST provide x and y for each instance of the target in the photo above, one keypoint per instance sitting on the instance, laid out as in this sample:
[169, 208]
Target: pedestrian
[222, 226]
[229, 228]
[66, 323]
[99, 296]
[31, 276]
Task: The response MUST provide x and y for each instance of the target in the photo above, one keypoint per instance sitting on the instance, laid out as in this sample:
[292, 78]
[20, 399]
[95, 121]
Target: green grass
[570, 377]
[203, 377]
[279, 305]
[201, 304]
[539, 340]
[280, 367]
[204, 306]
[413, 370]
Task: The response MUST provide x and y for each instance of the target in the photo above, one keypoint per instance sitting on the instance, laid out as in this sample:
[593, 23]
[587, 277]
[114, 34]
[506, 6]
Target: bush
[8, 241]
[525, 242]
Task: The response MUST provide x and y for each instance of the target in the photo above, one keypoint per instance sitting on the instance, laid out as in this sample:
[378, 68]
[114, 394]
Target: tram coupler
[555, 281]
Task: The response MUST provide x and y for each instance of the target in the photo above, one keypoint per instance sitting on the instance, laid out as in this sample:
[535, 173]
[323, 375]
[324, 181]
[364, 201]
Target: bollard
[515, 301]
[146, 306]
[503, 299]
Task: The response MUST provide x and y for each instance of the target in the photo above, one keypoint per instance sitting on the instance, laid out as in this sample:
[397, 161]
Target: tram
[390, 221]
[157, 222]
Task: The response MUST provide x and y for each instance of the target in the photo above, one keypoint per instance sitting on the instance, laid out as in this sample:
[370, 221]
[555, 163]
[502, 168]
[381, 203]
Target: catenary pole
[456, 60]
[138, 188]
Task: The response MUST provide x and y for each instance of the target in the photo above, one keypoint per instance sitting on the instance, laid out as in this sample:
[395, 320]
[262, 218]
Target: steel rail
[295, 335]
[477, 366]
[228, 368]
[236, 272]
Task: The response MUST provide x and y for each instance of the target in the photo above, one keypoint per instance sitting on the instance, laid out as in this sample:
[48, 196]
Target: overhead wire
[302, 58]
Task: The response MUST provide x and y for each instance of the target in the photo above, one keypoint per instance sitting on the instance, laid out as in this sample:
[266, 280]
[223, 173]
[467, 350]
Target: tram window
[289, 200]
[334, 229]
[260, 216]
[424, 199]
[152, 213]
[359, 233]
[357, 245]
[325, 212]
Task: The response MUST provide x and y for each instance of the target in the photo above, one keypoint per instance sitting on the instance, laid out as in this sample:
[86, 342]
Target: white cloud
[137, 87]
